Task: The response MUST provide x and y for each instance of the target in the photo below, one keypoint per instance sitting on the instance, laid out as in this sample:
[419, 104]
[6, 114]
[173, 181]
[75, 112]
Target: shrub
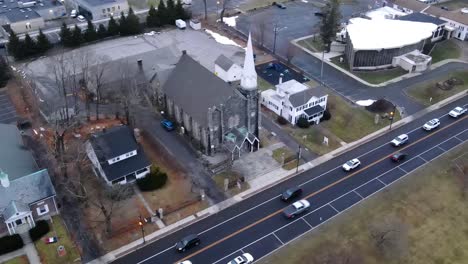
[156, 179]
[302, 122]
[281, 120]
[326, 116]
[10, 243]
[41, 228]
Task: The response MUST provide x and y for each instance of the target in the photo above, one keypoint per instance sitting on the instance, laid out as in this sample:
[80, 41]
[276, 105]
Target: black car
[280, 5]
[187, 243]
[320, 14]
[291, 193]
[397, 157]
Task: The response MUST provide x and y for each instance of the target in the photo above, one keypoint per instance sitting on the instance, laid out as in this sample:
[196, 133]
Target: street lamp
[276, 29]
[298, 158]
[217, 9]
[392, 116]
[140, 223]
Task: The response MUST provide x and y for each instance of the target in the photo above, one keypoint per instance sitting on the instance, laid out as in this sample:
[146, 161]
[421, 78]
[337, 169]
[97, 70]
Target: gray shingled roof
[420, 17]
[195, 89]
[314, 110]
[22, 14]
[28, 189]
[224, 62]
[304, 96]
[15, 159]
[13, 208]
[113, 142]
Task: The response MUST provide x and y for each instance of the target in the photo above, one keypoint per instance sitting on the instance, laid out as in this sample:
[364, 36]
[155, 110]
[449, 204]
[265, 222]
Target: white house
[116, 156]
[227, 70]
[457, 26]
[292, 100]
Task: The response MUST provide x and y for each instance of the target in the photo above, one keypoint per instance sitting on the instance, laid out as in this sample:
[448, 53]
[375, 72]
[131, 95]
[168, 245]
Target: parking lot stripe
[334, 207]
[381, 182]
[307, 222]
[358, 194]
[278, 238]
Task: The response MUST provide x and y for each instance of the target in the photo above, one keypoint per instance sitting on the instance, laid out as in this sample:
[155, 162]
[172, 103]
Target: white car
[242, 259]
[400, 140]
[185, 262]
[73, 13]
[351, 164]
[296, 208]
[457, 111]
[81, 18]
[431, 124]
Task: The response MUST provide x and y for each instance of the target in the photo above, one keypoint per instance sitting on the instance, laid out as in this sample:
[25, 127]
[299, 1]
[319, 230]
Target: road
[255, 224]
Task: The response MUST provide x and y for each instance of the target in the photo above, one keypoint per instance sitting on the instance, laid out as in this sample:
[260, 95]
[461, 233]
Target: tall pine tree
[171, 12]
[153, 20]
[133, 23]
[123, 26]
[77, 36]
[43, 43]
[29, 46]
[180, 12]
[90, 33]
[4, 72]
[15, 46]
[65, 35]
[162, 13]
[102, 31]
[330, 22]
[112, 27]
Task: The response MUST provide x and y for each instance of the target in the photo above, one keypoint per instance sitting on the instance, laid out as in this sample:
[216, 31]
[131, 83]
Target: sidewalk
[266, 181]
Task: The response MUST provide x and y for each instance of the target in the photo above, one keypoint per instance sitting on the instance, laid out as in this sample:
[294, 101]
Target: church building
[216, 115]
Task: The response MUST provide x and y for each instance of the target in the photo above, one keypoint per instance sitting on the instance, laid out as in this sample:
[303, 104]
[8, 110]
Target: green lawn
[425, 210]
[283, 151]
[373, 77]
[263, 85]
[312, 138]
[232, 176]
[454, 4]
[18, 260]
[444, 50]
[314, 44]
[424, 91]
[48, 252]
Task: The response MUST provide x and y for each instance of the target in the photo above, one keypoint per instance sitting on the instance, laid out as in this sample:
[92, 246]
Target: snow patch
[222, 39]
[230, 21]
[305, 1]
[365, 102]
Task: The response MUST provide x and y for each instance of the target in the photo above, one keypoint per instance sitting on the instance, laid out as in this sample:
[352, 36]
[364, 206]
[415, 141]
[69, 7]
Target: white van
[180, 24]
[73, 13]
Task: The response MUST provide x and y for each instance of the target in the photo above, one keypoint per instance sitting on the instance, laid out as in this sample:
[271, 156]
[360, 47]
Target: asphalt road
[255, 224]
[7, 110]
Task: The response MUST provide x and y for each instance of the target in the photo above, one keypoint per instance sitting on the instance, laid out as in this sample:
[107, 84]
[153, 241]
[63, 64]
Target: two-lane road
[256, 225]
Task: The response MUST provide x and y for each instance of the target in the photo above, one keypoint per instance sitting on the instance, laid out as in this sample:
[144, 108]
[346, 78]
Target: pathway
[148, 207]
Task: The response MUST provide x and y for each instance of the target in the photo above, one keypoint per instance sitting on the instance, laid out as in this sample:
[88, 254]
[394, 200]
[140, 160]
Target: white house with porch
[293, 99]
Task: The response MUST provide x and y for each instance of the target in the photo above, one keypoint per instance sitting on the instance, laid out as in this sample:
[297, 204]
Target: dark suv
[291, 193]
[187, 243]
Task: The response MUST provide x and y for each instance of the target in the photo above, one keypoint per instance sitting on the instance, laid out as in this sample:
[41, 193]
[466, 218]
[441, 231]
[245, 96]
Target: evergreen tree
[14, 46]
[112, 27]
[4, 72]
[330, 22]
[133, 23]
[153, 20]
[171, 12]
[90, 33]
[29, 46]
[65, 35]
[77, 37]
[180, 12]
[123, 26]
[43, 43]
[162, 13]
[102, 32]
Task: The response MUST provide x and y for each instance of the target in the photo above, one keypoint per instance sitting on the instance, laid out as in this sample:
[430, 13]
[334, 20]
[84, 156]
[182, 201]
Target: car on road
[291, 193]
[185, 262]
[400, 140]
[279, 5]
[296, 208]
[397, 157]
[81, 18]
[351, 164]
[458, 111]
[431, 124]
[168, 125]
[245, 258]
[187, 243]
[320, 14]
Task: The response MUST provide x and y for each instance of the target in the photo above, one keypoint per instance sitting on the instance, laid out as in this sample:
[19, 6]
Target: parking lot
[7, 110]
[271, 71]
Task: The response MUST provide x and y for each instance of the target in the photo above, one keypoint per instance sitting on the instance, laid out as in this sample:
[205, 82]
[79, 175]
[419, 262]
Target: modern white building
[457, 21]
[439, 33]
[227, 70]
[293, 99]
[414, 61]
[97, 9]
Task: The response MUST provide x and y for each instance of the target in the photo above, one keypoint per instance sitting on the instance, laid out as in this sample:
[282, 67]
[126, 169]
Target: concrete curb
[271, 181]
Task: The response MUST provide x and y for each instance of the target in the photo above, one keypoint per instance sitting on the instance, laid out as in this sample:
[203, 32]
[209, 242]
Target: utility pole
[140, 223]
[275, 30]
[321, 68]
[298, 159]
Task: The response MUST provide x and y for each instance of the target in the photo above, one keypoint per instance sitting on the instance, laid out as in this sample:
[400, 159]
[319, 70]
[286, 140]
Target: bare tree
[290, 52]
[260, 29]
[61, 75]
[97, 80]
[223, 9]
[128, 95]
[390, 237]
[84, 81]
[206, 9]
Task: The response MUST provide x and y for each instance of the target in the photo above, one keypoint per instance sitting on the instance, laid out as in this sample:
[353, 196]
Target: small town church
[217, 116]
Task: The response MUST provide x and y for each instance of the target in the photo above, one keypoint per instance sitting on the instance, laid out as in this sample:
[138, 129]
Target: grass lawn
[263, 85]
[424, 91]
[18, 260]
[454, 4]
[232, 176]
[373, 77]
[312, 138]
[48, 252]
[444, 50]
[314, 44]
[283, 151]
[426, 209]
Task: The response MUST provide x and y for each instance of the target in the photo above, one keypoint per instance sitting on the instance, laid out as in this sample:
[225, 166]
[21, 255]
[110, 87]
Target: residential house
[26, 193]
[98, 9]
[116, 156]
[438, 34]
[227, 70]
[409, 6]
[457, 26]
[293, 100]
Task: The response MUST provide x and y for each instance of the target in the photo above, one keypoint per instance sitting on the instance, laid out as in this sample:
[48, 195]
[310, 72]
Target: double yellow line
[318, 191]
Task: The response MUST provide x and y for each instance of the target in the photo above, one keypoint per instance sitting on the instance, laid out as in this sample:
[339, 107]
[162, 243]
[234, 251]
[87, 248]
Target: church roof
[194, 89]
[224, 62]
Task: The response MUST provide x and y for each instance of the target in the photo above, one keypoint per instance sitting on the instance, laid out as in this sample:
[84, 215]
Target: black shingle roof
[420, 17]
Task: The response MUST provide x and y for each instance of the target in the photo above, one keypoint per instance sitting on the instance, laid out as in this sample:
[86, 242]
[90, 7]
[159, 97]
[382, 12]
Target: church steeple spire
[249, 75]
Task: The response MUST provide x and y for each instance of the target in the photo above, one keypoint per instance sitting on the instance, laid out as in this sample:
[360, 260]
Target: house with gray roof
[226, 69]
[215, 115]
[293, 100]
[26, 193]
[116, 156]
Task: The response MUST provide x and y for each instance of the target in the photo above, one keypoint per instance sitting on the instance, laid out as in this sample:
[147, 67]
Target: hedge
[41, 228]
[302, 122]
[10, 243]
[281, 120]
[326, 116]
[156, 179]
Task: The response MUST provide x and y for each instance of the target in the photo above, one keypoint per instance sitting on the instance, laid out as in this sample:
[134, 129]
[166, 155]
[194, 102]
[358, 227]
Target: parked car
[275, 66]
[81, 18]
[280, 5]
[397, 157]
[296, 208]
[180, 24]
[431, 124]
[245, 258]
[444, 8]
[320, 14]
[185, 262]
[73, 13]
[400, 140]
[291, 193]
[458, 111]
[351, 164]
[168, 125]
[187, 243]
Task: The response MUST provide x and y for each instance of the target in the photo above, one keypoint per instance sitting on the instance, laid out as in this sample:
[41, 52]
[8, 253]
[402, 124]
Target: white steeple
[249, 75]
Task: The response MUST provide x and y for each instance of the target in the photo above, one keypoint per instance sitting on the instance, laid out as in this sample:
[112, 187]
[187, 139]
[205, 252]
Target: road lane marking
[402, 169]
[307, 222]
[334, 207]
[282, 243]
[378, 178]
[423, 159]
[358, 194]
[319, 191]
[459, 139]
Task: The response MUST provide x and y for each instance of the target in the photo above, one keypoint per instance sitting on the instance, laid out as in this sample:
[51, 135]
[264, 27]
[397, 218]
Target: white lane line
[282, 243]
[244, 251]
[334, 207]
[357, 193]
[423, 159]
[381, 181]
[306, 222]
[442, 149]
[267, 201]
[402, 170]
[459, 139]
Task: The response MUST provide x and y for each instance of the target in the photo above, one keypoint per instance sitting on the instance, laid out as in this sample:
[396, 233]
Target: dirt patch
[380, 106]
